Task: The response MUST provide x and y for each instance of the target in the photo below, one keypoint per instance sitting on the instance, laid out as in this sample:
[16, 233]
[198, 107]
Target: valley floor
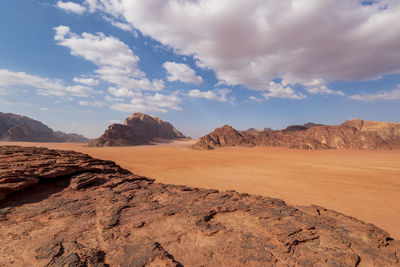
[363, 184]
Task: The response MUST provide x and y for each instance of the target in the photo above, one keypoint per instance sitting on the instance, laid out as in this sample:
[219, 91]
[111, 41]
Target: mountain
[354, 134]
[15, 127]
[63, 208]
[138, 129]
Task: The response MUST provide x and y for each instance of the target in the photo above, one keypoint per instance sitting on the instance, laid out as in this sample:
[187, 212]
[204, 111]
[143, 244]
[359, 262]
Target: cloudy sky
[80, 65]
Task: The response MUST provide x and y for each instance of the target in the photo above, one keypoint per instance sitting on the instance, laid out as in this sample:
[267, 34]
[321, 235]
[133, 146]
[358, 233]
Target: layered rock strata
[354, 134]
[138, 129]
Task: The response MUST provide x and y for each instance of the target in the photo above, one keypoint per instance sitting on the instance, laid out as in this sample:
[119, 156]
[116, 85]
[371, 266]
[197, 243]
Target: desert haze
[361, 183]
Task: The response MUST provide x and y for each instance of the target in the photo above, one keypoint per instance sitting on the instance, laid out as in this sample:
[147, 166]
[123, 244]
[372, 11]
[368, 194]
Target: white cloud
[150, 103]
[121, 25]
[255, 99]
[110, 98]
[324, 90]
[86, 81]
[44, 86]
[218, 94]
[391, 95]
[254, 42]
[181, 72]
[71, 7]
[92, 103]
[278, 90]
[123, 92]
[117, 64]
[44, 109]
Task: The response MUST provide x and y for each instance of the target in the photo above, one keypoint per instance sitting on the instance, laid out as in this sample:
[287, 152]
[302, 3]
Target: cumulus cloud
[391, 95]
[121, 25]
[44, 86]
[324, 90]
[86, 81]
[254, 42]
[117, 64]
[218, 94]
[71, 7]
[110, 98]
[278, 90]
[145, 102]
[181, 72]
[255, 99]
[91, 103]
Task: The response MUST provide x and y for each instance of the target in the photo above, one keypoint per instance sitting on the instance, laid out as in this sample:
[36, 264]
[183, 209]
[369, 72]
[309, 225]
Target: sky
[80, 65]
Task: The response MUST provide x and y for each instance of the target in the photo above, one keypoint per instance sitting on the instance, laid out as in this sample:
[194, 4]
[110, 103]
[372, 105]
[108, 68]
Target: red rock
[20, 128]
[101, 215]
[355, 134]
[138, 129]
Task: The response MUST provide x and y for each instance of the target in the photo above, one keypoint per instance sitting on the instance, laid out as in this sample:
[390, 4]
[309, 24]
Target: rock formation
[20, 128]
[62, 208]
[138, 129]
[355, 134]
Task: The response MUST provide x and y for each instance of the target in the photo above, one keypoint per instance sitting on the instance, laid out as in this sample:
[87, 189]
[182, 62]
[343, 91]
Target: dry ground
[363, 184]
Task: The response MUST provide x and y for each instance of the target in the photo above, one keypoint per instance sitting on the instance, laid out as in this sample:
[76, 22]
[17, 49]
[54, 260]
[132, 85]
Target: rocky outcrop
[62, 208]
[138, 129]
[20, 128]
[354, 134]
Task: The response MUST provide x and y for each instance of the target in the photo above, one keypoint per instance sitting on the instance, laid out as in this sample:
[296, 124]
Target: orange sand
[362, 184]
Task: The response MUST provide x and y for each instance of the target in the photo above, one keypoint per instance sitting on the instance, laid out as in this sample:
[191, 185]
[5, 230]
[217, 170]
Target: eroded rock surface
[355, 134]
[68, 209]
[138, 129]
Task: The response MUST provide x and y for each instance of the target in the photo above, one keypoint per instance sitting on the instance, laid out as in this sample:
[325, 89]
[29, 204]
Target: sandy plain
[360, 183]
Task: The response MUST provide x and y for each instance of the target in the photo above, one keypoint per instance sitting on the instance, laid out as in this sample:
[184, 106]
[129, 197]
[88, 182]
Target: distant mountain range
[142, 129]
[138, 129]
[15, 127]
[355, 134]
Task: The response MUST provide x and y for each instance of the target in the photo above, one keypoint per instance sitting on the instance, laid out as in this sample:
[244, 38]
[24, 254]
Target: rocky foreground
[63, 208]
[353, 134]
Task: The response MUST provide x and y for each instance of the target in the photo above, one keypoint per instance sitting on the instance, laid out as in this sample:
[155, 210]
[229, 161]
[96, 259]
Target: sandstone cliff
[138, 129]
[63, 208]
[15, 127]
[355, 134]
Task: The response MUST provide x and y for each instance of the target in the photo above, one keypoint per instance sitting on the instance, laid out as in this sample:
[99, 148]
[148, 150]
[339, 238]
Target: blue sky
[79, 66]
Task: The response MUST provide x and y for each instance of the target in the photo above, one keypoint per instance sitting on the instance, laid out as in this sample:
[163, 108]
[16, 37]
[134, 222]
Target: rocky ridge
[15, 127]
[62, 208]
[354, 134]
[138, 129]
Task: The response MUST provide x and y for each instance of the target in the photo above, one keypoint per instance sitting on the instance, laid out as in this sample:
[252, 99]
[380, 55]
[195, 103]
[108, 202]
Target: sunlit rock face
[138, 129]
[354, 134]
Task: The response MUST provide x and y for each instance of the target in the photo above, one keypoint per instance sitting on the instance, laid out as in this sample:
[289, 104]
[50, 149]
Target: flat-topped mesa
[138, 129]
[64, 208]
[354, 134]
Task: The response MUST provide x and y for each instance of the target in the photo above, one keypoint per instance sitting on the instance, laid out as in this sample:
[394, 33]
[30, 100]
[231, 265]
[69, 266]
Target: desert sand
[361, 183]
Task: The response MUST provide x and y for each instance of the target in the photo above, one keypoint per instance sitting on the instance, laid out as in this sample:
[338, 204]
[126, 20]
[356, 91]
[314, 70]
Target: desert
[201, 133]
[360, 183]
[64, 208]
